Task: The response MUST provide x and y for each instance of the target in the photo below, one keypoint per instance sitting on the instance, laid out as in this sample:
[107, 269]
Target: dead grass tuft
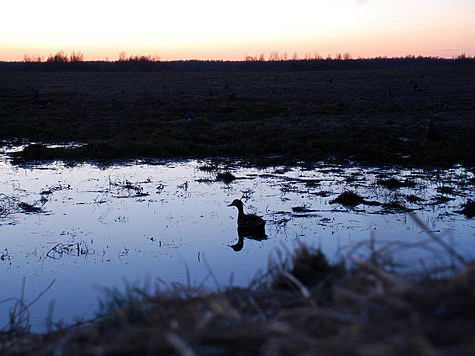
[348, 198]
[469, 208]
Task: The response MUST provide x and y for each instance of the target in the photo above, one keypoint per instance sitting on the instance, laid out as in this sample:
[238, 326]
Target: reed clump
[469, 208]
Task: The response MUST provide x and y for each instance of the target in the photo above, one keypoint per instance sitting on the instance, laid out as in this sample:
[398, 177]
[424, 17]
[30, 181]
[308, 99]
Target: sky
[230, 30]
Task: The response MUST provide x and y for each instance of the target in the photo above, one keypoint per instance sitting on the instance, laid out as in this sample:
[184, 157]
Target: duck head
[237, 203]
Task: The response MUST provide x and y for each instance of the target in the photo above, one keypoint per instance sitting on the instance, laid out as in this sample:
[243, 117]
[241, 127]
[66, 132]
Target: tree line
[75, 62]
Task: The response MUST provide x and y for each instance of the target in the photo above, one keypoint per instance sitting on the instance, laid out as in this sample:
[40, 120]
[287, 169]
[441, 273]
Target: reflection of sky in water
[104, 230]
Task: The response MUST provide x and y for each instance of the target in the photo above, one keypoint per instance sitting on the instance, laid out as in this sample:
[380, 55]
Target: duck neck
[240, 210]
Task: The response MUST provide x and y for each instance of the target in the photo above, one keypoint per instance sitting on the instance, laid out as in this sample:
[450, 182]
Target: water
[153, 221]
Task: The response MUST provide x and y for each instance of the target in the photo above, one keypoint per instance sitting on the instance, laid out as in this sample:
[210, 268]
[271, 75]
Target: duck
[247, 221]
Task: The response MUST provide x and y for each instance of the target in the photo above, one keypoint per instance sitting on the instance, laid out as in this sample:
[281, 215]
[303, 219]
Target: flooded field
[88, 227]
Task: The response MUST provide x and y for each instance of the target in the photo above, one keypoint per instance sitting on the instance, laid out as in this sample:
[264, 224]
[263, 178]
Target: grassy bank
[365, 115]
[307, 306]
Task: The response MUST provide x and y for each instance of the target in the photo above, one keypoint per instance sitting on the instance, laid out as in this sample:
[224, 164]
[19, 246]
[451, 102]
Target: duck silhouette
[247, 221]
[249, 226]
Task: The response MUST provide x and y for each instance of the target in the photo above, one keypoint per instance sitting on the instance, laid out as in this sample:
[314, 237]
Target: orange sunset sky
[210, 29]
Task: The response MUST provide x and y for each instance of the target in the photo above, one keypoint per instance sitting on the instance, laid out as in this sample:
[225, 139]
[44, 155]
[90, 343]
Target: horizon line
[79, 57]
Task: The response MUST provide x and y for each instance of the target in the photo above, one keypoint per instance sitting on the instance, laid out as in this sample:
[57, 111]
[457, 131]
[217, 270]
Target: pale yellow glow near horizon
[209, 29]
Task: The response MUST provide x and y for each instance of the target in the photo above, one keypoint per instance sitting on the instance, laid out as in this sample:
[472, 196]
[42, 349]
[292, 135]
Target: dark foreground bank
[310, 307]
[409, 115]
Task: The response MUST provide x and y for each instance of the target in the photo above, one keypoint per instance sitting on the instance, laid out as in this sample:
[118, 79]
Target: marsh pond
[89, 226]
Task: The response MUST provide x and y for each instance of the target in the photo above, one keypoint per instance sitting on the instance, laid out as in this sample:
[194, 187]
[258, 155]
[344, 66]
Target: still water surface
[98, 226]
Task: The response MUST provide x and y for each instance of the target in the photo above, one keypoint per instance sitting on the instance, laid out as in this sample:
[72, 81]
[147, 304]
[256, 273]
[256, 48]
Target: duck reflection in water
[249, 226]
[253, 235]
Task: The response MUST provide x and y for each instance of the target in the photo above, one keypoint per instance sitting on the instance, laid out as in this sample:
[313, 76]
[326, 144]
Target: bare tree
[274, 56]
[122, 56]
[28, 59]
[59, 57]
[76, 57]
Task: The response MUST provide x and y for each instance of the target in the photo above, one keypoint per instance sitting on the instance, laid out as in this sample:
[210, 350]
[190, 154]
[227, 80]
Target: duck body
[247, 221]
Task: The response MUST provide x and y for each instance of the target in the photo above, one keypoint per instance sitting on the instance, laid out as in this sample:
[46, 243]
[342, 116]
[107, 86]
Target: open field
[365, 115]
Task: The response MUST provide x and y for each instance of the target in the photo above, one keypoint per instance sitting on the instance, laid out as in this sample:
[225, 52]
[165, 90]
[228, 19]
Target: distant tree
[261, 57]
[122, 56]
[76, 57]
[274, 56]
[308, 56]
[59, 57]
[339, 56]
[28, 59]
[295, 56]
[347, 56]
[285, 56]
[316, 55]
[463, 58]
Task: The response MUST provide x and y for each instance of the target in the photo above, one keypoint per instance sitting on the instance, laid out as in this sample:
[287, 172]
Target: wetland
[122, 181]
[87, 226]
